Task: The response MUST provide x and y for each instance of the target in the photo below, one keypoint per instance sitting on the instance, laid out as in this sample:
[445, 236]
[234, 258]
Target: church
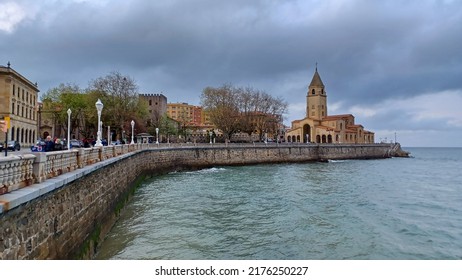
[319, 127]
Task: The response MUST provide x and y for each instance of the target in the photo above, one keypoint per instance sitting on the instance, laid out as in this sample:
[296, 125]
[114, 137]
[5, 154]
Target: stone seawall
[69, 219]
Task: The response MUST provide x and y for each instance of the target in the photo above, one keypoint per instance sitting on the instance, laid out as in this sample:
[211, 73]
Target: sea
[384, 209]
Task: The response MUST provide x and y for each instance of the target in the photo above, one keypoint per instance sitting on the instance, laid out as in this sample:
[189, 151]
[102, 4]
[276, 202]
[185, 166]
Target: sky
[395, 65]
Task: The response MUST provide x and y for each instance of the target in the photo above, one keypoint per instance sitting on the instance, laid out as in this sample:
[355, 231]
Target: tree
[167, 127]
[267, 112]
[222, 106]
[234, 109]
[122, 104]
[56, 102]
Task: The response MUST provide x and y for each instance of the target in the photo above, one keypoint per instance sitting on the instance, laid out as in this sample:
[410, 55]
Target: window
[150, 102]
[12, 109]
[312, 107]
[312, 92]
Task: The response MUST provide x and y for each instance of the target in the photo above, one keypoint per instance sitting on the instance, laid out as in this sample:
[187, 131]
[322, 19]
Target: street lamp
[99, 106]
[133, 127]
[157, 135]
[109, 138]
[69, 112]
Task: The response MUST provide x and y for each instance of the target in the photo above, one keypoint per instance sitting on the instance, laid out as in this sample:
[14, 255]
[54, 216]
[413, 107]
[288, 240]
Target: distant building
[19, 102]
[157, 106]
[192, 120]
[188, 115]
[319, 127]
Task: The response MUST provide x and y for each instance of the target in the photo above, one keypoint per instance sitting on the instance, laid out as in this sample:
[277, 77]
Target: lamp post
[99, 106]
[101, 129]
[133, 128]
[69, 112]
[157, 135]
[210, 134]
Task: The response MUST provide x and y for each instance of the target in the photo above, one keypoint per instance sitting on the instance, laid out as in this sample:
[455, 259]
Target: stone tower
[316, 98]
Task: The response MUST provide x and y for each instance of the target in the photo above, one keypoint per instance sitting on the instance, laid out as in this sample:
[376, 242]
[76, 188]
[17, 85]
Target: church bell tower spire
[316, 98]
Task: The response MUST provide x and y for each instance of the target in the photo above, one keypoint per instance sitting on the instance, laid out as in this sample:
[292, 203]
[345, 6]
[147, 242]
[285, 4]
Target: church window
[312, 92]
[323, 113]
[312, 113]
[150, 102]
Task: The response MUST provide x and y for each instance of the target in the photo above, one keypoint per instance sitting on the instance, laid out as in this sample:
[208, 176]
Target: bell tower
[316, 98]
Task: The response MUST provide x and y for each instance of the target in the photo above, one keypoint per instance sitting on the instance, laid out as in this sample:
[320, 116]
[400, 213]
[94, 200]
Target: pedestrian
[49, 144]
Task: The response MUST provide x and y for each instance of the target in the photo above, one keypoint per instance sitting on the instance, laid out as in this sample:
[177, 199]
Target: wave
[208, 170]
[337, 160]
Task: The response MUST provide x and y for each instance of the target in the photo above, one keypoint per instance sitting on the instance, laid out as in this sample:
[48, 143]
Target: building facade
[19, 102]
[157, 105]
[189, 115]
[319, 127]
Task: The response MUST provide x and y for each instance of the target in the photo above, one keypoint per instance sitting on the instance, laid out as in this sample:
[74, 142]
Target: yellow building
[188, 115]
[19, 102]
[319, 127]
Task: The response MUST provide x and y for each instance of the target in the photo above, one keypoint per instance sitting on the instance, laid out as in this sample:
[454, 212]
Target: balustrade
[16, 172]
[20, 171]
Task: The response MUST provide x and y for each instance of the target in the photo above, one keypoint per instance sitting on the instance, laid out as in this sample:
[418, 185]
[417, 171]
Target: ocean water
[399, 208]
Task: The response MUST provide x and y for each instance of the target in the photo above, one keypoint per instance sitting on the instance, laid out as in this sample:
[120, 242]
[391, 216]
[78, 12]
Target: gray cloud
[369, 52]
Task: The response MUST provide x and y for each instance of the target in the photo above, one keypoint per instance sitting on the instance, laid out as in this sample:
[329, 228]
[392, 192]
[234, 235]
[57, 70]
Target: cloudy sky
[396, 65]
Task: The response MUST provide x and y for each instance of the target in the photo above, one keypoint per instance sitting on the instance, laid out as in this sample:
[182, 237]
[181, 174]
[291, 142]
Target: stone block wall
[69, 221]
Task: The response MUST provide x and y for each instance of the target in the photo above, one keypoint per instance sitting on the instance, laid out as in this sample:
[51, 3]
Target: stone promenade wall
[75, 210]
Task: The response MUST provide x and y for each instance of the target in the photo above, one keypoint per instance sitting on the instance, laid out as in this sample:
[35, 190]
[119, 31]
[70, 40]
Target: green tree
[167, 127]
[58, 100]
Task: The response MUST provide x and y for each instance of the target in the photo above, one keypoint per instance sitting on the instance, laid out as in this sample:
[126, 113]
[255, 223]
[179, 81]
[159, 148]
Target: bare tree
[122, 104]
[222, 105]
[234, 109]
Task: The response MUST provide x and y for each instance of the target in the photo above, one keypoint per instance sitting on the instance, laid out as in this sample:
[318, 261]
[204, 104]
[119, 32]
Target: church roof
[316, 81]
[336, 117]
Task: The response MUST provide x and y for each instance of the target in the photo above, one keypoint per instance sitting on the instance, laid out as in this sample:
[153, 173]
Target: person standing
[49, 144]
